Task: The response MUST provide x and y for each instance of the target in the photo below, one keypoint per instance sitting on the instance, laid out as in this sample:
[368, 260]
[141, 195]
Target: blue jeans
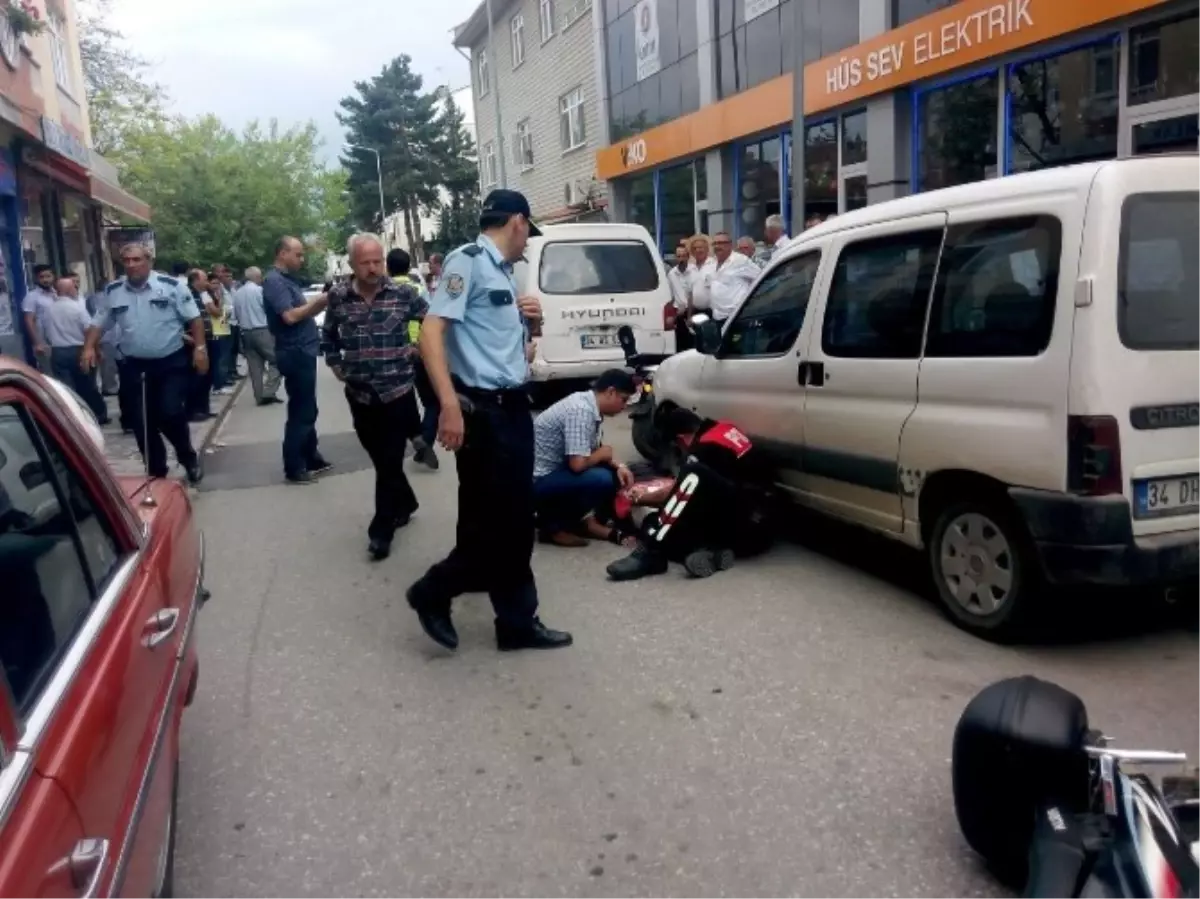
[299, 370]
[563, 498]
[220, 354]
[430, 407]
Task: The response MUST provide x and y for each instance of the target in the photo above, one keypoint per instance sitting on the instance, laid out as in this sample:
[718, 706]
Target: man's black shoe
[435, 622]
[195, 473]
[319, 466]
[304, 477]
[707, 562]
[640, 563]
[202, 416]
[269, 401]
[534, 635]
[378, 549]
[403, 521]
[424, 454]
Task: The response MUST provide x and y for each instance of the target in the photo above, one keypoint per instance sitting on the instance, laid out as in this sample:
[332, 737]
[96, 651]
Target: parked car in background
[102, 578]
[1002, 374]
[591, 279]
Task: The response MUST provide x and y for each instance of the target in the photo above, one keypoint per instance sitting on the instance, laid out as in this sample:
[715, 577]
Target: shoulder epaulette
[472, 250]
[114, 285]
[167, 279]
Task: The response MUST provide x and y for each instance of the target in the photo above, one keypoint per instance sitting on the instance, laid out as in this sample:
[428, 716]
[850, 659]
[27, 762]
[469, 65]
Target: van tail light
[1094, 455]
[669, 315]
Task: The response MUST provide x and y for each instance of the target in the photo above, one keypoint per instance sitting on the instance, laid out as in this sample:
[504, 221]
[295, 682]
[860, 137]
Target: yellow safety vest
[414, 326]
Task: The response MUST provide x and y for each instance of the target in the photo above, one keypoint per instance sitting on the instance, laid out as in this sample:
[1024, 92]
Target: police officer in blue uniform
[473, 344]
[153, 311]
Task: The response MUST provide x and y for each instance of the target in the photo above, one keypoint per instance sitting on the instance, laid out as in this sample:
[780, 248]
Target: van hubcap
[977, 563]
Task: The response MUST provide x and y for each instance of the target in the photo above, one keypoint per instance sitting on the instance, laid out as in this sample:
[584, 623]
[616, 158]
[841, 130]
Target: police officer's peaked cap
[510, 202]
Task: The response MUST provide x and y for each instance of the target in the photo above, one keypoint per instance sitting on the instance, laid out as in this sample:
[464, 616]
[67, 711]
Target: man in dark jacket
[716, 510]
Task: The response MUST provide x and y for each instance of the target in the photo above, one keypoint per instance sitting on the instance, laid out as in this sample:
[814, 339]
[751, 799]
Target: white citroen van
[592, 279]
[1004, 374]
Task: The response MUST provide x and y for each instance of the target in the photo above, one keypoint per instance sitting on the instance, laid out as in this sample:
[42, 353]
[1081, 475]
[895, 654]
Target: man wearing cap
[473, 344]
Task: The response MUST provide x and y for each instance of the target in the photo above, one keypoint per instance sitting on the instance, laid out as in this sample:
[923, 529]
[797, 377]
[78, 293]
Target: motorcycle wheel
[647, 439]
[1018, 745]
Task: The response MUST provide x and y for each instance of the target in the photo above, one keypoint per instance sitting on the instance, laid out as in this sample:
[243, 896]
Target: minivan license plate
[598, 341]
[1166, 496]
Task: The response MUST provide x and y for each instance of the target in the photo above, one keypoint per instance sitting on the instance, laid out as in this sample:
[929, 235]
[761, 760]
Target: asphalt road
[783, 728]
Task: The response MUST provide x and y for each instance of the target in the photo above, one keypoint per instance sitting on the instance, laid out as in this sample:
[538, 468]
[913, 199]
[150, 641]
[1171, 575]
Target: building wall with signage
[550, 109]
[927, 94]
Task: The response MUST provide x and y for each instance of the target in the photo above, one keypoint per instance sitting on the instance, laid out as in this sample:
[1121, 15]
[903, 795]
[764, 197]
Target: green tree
[458, 207]
[391, 114]
[221, 196]
[121, 97]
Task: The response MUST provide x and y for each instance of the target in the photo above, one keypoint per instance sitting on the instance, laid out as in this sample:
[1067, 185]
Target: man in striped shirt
[366, 341]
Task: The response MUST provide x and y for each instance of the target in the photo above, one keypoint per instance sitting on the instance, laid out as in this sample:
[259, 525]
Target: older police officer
[153, 311]
[473, 345]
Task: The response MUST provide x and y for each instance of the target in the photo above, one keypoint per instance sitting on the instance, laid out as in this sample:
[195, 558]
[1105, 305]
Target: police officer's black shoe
[707, 562]
[378, 549]
[435, 621]
[535, 635]
[195, 473]
[642, 562]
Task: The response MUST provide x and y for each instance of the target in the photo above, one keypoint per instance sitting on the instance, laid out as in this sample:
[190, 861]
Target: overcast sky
[289, 59]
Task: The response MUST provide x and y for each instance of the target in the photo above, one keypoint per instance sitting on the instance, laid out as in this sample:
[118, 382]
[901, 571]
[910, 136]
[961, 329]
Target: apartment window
[482, 65]
[518, 39]
[58, 50]
[489, 164]
[570, 108]
[523, 146]
[546, 16]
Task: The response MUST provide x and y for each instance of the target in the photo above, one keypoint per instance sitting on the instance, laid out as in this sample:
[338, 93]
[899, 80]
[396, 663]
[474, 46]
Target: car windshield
[1158, 281]
[581, 267]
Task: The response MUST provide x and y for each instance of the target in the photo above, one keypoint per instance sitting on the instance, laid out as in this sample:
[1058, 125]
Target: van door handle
[802, 374]
[159, 627]
[816, 374]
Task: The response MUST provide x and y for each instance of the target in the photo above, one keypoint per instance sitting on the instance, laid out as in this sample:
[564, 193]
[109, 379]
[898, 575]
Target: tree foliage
[426, 154]
[121, 96]
[223, 196]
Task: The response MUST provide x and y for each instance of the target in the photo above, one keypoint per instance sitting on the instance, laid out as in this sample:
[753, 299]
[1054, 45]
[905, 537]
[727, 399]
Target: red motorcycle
[1051, 804]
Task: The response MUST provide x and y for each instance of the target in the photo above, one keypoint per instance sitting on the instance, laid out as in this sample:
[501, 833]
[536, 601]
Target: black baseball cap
[510, 202]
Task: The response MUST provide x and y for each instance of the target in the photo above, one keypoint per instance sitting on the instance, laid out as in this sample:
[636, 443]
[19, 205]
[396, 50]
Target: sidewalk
[121, 449]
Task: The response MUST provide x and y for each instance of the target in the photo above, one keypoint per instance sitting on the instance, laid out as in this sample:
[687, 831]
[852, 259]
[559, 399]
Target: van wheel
[983, 568]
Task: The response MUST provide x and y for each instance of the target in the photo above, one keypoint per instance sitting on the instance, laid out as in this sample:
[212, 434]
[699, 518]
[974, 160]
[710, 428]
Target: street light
[379, 177]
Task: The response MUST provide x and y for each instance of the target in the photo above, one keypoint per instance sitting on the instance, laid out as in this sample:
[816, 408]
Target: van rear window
[1158, 278]
[581, 267]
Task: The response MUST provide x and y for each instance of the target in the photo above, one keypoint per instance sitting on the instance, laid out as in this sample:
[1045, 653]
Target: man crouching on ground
[716, 509]
[573, 472]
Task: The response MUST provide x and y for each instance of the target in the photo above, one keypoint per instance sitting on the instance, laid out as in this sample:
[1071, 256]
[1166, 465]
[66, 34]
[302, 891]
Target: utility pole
[494, 78]
[379, 178]
[796, 225]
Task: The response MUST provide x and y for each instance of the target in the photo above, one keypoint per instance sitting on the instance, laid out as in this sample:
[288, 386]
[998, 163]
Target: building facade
[57, 195]
[538, 116]
[895, 96]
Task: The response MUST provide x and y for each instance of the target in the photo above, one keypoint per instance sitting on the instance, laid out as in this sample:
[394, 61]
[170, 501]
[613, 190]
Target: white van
[592, 279]
[1003, 374]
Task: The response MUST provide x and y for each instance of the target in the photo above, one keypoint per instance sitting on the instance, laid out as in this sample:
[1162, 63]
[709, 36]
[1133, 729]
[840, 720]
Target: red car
[101, 578]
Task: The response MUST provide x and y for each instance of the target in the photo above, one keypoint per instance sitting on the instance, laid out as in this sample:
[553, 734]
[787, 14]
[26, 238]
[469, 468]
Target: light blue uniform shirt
[485, 347]
[152, 317]
[38, 301]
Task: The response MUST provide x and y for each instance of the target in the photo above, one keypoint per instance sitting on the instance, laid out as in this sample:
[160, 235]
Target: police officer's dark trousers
[494, 538]
[166, 407]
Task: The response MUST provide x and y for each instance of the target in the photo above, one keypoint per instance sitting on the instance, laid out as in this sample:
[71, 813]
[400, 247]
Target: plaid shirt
[372, 343]
[571, 427]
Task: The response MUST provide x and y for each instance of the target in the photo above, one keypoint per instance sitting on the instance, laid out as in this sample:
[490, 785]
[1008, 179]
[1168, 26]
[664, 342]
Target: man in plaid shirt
[366, 341]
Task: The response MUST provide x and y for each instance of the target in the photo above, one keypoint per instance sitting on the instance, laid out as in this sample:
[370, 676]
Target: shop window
[820, 170]
[1063, 109]
[1179, 134]
[856, 192]
[996, 288]
[957, 135]
[758, 184]
[677, 204]
[854, 138]
[641, 202]
[1163, 60]
[1158, 275]
[880, 291]
[905, 11]
[770, 320]
[570, 269]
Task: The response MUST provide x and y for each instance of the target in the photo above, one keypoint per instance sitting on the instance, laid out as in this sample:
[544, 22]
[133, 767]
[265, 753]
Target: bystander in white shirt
[730, 284]
[700, 284]
[679, 278]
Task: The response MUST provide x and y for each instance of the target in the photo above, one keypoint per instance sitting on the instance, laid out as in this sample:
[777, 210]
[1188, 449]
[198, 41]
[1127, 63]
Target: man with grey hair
[368, 343]
[292, 320]
[777, 237]
[258, 346]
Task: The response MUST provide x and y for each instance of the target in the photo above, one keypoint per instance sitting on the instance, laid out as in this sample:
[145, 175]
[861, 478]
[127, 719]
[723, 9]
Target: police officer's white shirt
[731, 283]
[701, 283]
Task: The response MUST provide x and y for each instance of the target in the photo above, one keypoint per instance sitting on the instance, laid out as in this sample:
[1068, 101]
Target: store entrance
[1173, 129]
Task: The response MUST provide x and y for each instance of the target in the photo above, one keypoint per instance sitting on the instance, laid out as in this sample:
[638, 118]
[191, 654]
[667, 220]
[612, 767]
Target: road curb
[214, 428]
